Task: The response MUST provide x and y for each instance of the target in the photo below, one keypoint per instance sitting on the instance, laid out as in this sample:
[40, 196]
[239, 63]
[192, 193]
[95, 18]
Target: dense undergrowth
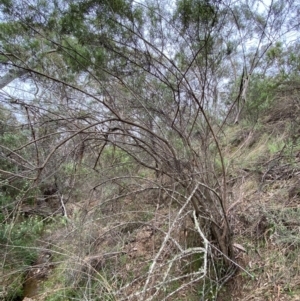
[142, 242]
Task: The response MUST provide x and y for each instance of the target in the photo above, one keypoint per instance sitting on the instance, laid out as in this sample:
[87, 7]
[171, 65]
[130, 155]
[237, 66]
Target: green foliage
[68, 168]
[15, 290]
[260, 97]
[22, 235]
[218, 164]
[13, 189]
[117, 158]
[276, 146]
[75, 18]
[74, 282]
[294, 60]
[4, 205]
[18, 247]
[196, 262]
[6, 5]
[76, 55]
[10, 29]
[194, 12]
[275, 52]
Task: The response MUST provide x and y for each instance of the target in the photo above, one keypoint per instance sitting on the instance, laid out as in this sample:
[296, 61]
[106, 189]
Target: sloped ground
[120, 251]
[265, 207]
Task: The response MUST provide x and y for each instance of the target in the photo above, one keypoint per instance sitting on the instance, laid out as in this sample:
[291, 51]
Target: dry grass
[265, 209]
[144, 245]
[125, 255]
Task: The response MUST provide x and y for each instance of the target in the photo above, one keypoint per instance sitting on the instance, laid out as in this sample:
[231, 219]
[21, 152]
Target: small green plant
[15, 290]
[276, 146]
[19, 241]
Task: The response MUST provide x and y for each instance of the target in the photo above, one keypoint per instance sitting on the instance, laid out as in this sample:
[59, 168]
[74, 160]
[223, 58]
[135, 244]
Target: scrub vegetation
[149, 150]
